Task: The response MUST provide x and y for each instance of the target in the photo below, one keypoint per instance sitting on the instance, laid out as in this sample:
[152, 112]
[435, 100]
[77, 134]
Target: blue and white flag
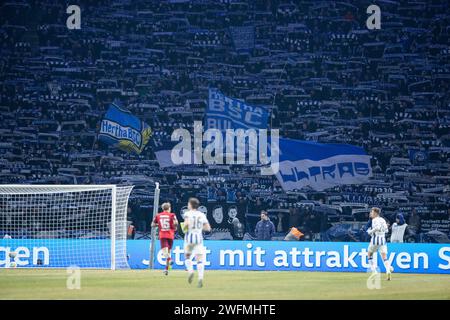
[228, 113]
[320, 166]
[163, 154]
[123, 130]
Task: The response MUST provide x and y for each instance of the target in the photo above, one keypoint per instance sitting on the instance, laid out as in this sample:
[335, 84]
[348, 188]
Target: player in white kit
[195, 222]
[378, 232]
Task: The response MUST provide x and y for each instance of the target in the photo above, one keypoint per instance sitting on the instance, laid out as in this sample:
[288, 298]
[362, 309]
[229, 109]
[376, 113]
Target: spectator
[131, 231]
[237, 231]
[265, 228]
[293, 235]
[398, 228]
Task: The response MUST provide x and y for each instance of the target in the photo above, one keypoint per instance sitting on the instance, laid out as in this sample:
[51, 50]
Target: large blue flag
[320, 166]
[228, 113]
[122, 129]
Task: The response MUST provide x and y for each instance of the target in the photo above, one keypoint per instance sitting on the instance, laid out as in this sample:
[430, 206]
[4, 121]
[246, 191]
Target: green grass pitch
[258, 285]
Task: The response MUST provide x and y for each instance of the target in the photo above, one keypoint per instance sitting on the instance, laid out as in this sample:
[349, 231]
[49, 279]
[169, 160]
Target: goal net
[63, 225]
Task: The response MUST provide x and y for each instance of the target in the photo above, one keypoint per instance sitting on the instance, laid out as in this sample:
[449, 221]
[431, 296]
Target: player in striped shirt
[195, 222]
[377, 232]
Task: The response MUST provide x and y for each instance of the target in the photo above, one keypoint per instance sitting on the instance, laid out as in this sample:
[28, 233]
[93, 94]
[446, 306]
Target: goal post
[58, 226]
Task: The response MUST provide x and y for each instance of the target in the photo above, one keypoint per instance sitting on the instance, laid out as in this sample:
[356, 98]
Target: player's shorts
[194, 249]
[380, 248]
[193, 244]
[377, 243]
[166, 243]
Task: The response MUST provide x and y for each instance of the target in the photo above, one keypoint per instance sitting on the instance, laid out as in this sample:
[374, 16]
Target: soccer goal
[64, 225]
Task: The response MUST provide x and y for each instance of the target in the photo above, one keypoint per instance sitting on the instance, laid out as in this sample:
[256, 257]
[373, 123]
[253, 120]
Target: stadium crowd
[315, 65]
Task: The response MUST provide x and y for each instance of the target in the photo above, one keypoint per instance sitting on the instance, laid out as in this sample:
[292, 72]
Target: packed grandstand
[314, 64]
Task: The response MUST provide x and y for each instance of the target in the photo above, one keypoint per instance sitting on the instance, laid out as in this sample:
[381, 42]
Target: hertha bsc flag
[306, 164]
[122, 129]
[228, 113]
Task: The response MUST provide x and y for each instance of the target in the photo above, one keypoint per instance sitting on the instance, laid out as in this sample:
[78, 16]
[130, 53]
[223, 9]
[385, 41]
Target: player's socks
[389, 269]
[191, 277]
[200, 270]
[190, 270]
[168, 263]
[189, 267]
[372, 265]
[387, 265]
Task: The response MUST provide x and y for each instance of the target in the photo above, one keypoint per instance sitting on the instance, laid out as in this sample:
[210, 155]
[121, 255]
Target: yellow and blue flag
[124, 130]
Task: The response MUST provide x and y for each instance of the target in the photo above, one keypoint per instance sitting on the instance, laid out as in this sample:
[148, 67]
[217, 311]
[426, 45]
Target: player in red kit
[167, 224]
